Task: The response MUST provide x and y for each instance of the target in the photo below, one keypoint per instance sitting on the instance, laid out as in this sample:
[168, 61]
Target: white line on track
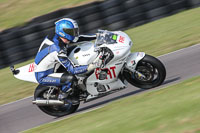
[196, 45]
[15, 101]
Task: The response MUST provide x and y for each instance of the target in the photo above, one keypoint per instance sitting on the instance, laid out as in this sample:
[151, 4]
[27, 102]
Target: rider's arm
[68, 64]
[88, 37]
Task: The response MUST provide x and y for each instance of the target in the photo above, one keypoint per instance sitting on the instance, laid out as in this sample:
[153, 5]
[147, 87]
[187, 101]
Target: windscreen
[105, 37]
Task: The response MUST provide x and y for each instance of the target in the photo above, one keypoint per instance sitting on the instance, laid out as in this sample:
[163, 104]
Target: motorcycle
[117, 67]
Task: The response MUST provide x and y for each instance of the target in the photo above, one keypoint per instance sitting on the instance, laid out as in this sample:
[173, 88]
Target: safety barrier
[19, 44]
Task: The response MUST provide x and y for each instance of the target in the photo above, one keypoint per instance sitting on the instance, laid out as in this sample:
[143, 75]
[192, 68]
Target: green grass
[16, 12]
[168, 34]
[174, 109]
[156, 38]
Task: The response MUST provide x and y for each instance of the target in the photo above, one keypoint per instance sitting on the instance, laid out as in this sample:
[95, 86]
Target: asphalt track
[22, 115]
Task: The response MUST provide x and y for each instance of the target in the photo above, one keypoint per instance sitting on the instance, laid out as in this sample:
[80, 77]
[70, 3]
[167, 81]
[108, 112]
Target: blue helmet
[67, 28]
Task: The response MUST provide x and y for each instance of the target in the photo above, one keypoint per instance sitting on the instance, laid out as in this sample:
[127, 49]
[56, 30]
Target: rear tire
[153, 70]
[54, 110]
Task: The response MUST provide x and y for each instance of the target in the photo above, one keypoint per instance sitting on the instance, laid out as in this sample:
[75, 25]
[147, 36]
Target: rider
[49, 56]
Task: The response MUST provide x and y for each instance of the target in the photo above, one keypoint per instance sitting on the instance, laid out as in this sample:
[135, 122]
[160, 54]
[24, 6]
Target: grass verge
[156, 38]
[27, 9]
[173, 109]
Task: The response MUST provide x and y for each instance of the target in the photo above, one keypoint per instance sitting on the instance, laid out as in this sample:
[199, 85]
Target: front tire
[153, 72]
[53, 110]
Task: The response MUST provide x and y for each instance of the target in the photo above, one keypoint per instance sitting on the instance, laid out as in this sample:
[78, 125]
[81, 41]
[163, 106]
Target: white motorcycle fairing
[26, 73]
[83, 54]
[133, 60]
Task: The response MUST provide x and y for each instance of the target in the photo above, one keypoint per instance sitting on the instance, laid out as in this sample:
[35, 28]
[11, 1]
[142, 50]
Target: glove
[91, 67]
[95, 64]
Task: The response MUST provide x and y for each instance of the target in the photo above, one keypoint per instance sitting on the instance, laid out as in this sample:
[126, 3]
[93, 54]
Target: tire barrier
[153, 4]
[157, 12]
[131, 4]
[19, 44]
[193, 3]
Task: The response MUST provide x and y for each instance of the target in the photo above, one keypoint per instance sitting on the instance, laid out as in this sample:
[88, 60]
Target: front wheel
[41, 92]
[150, 73]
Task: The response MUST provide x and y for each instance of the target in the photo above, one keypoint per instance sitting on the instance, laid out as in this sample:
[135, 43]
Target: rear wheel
[150, 72]
[53, 110]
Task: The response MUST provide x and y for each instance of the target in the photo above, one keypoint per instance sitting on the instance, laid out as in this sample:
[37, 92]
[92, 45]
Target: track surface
[22, 115]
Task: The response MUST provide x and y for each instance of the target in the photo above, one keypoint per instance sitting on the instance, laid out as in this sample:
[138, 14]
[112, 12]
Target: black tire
[153, 70]
[54, 110]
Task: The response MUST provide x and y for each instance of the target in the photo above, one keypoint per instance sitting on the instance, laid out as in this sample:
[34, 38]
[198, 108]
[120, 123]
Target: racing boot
[64, 94]
[65, 90]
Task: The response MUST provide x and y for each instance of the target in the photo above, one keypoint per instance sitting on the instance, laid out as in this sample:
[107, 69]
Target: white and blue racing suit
[53, 54]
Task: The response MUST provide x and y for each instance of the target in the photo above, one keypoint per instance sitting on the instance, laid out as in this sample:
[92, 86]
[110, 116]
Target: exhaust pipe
[40, 102]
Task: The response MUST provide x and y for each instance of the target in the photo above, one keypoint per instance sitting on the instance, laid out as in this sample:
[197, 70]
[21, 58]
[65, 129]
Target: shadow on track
[171, 80]
[109, 100]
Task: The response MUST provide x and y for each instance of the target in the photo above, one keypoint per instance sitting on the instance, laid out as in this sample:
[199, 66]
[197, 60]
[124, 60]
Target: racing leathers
[53, 54]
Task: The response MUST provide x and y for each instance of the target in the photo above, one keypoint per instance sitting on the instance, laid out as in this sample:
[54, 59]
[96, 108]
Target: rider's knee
[66, 78]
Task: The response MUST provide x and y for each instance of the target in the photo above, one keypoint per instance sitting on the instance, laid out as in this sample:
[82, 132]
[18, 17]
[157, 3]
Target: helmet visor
[71, 32]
